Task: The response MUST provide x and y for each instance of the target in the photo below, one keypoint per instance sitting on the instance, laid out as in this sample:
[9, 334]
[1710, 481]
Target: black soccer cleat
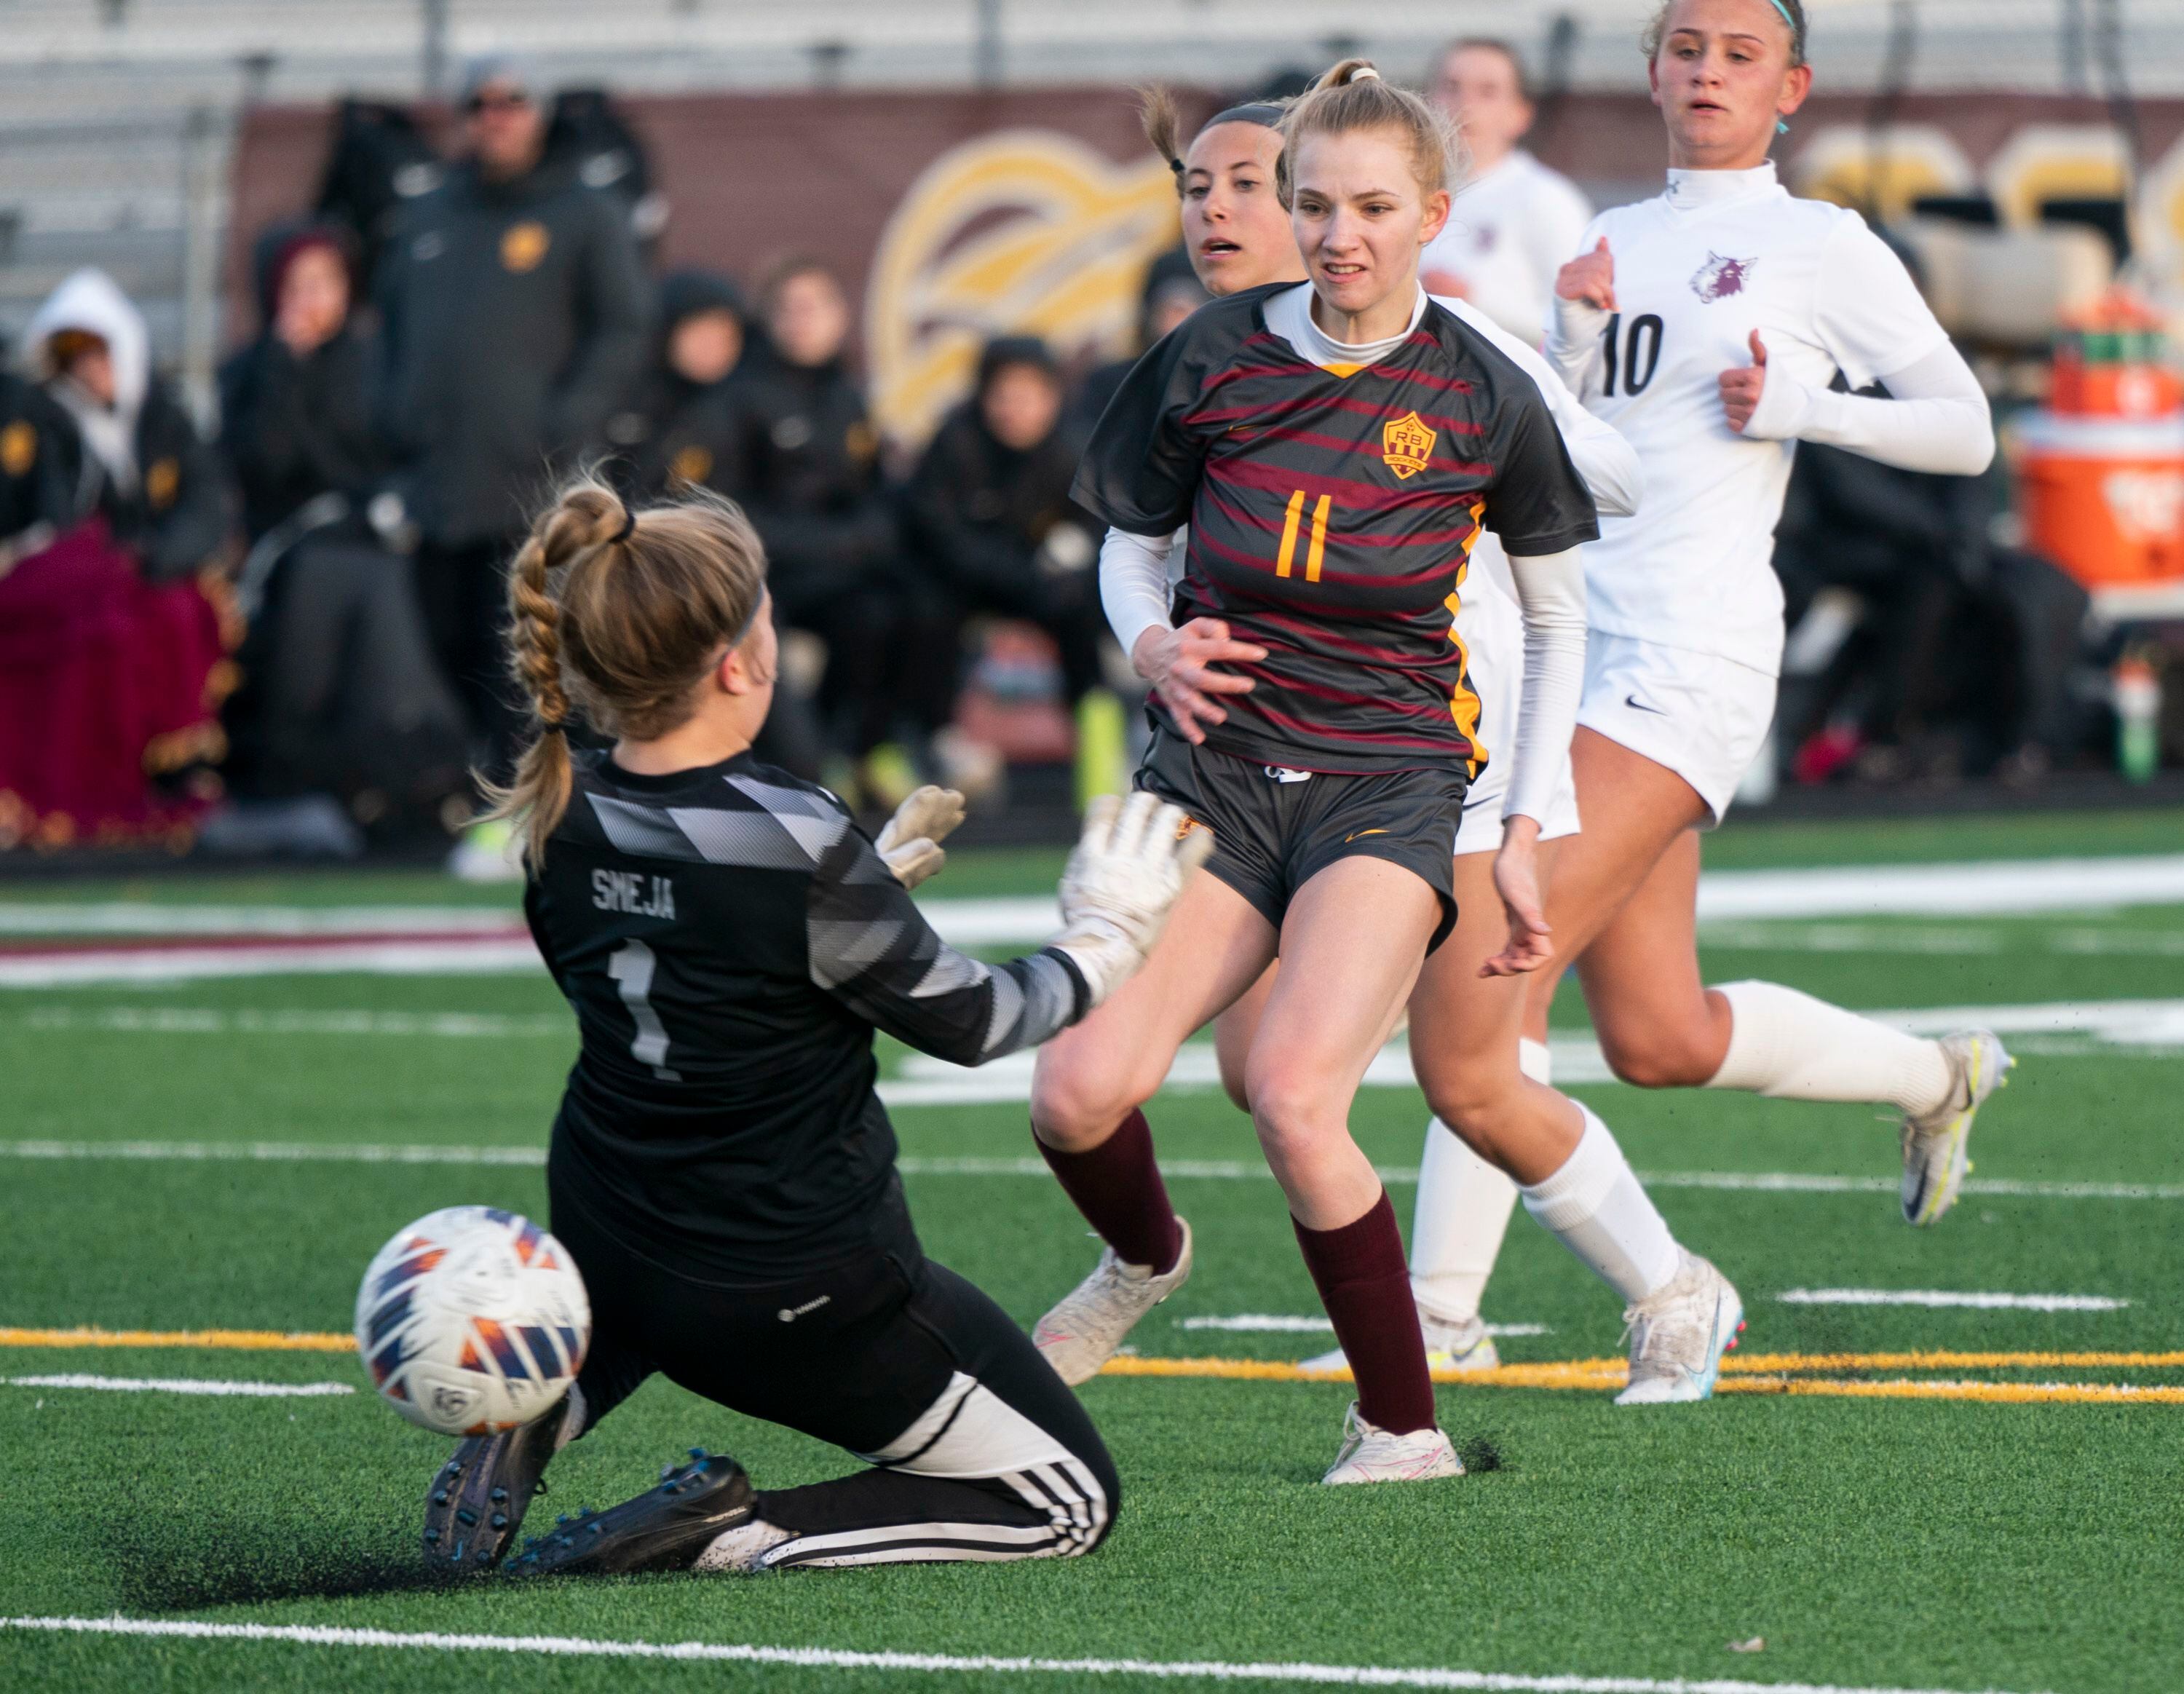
[663, 1528]
[477, 1502]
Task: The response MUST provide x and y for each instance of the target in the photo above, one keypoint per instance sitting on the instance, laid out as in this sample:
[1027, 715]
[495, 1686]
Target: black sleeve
[979, 558]
[870, 948]
[1538, 504]
[613, 312]
[188, 534]
[1140, 470]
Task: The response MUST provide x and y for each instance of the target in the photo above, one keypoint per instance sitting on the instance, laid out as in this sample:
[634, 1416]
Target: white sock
[1535, 1061]
[1594, 1203]
[1462, 1213]
[743, 1548]
[1788, 1045]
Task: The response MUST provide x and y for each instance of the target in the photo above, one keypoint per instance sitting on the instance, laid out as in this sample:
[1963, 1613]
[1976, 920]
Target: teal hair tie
[1781, 126]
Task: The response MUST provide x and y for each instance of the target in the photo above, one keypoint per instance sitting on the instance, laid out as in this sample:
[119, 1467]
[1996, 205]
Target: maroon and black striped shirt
[1332, 517]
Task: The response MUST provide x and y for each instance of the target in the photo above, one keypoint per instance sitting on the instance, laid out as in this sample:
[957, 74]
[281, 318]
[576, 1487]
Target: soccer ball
[473, 1319]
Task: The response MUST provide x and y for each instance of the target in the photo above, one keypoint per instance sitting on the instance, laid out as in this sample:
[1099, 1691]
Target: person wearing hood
[144, 467]
[993, 524]
[113, 634]
[296, 417]
[679, 425]
[342, 713]
[514, 311]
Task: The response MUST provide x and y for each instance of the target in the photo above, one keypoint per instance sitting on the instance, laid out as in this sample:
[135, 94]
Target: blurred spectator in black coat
[993, 524]
[144, 467]
[296, 404]
[41, 469]
[808, 473]
[514, 313]
[1172, 293]
[680, 424]
[341, 694]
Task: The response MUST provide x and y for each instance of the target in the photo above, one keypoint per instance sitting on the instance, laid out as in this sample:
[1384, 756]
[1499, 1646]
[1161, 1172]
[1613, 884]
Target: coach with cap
[516, 315]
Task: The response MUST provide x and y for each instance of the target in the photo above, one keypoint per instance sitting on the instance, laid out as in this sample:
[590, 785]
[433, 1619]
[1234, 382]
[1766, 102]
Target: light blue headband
[1781, 128]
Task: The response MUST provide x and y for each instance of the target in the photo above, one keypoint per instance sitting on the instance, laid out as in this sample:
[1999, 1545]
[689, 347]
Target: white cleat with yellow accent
[1937, 1146]
[1372, 1454]
[1464, 1346]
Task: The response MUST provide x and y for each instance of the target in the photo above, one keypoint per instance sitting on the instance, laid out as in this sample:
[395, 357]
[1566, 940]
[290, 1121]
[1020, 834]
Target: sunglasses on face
[495, 103]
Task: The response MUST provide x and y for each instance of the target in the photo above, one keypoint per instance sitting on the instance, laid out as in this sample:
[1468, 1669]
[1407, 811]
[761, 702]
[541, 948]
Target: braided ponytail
[618, 615]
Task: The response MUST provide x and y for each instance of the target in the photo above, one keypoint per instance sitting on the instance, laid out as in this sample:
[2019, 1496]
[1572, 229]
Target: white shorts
[1697, 714]
[1480, 831]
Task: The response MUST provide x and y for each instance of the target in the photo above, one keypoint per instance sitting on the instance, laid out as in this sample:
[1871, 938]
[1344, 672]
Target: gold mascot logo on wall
[1022, 233]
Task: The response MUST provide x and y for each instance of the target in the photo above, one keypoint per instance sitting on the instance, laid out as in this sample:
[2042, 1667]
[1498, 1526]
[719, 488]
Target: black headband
[1264, 113]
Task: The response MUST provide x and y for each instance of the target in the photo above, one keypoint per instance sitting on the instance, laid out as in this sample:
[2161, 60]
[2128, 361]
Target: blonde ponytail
[617, 615]
[1352, 96]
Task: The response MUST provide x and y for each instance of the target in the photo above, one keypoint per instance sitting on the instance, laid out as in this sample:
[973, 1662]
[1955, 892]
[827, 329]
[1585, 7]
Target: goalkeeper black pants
[976, 1449]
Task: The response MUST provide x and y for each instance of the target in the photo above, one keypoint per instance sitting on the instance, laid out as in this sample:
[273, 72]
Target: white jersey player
[1515, 220]
[1706, 325]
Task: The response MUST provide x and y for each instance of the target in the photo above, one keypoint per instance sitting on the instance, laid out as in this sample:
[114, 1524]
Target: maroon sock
[1366, 1288]
[1118, 1188]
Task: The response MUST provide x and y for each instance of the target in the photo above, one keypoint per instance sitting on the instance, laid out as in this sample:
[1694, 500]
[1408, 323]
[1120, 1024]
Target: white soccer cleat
[1679, 1334]
[1371, 1454]
[1937, 1147]
[1463, 1347]
[1089, 1323]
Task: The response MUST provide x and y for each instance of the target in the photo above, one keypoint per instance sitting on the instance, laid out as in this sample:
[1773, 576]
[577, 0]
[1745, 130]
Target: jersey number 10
[1641, 354]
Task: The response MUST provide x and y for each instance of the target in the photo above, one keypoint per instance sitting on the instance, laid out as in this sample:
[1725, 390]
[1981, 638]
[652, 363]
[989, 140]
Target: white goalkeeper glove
[910, 842]
[1128, 868]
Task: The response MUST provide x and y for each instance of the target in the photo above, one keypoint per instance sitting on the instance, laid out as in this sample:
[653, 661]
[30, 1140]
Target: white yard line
[1939, 1297]
[1177, 1170]
[186, 1384]
[833, 1658]
[441, 940]
[191, 1020]
[1265, 1323]
[145, 917]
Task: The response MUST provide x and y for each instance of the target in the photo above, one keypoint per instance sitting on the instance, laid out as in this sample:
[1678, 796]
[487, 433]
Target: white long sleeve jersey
[1698, 269]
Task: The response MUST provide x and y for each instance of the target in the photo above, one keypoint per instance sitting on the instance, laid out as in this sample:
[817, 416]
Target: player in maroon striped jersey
[1336, 447]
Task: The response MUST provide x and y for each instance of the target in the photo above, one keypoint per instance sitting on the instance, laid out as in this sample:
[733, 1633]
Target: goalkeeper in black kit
[721, 1169]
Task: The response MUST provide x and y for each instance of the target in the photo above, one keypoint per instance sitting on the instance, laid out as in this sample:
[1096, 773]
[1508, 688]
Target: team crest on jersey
[1407, 444]
[523, 245]
[1718, 277]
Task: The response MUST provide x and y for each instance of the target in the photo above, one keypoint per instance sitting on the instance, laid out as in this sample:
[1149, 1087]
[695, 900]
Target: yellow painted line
[1755, 1374]
[235, 1341]
[2009, 1393]
[1762, 1363]
[1763, 1374]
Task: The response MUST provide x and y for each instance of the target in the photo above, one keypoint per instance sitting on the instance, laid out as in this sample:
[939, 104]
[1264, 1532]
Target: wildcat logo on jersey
[1407, 444]
[1718, 277]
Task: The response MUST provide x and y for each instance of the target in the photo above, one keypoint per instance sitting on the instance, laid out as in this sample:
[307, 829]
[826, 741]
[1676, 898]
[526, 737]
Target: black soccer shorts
[1275, 829]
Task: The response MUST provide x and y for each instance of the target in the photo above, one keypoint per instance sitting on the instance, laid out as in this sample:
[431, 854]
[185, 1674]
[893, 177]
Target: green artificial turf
[1871, 1543]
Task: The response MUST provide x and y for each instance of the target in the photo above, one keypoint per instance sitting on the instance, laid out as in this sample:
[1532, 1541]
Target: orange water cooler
[2100, 471]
